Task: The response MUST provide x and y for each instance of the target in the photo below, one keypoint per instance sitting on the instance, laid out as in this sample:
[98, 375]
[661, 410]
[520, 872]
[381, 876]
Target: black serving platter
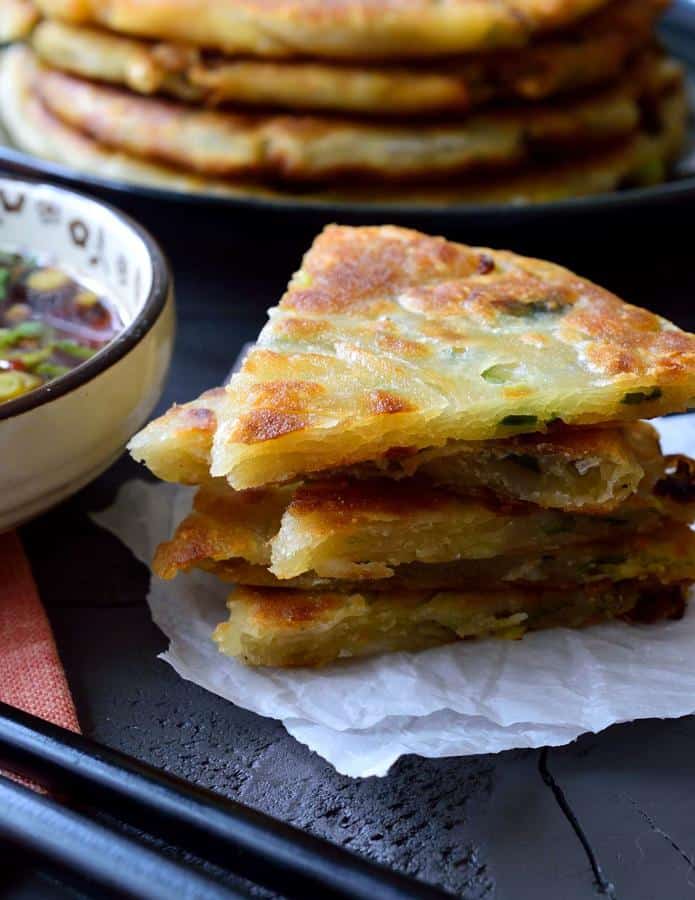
[678, 34]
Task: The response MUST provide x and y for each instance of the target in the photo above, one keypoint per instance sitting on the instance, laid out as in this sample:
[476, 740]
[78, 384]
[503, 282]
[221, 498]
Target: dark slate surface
[483, 827]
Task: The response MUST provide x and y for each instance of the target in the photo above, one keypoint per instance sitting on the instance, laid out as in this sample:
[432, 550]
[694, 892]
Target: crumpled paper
[466, 698]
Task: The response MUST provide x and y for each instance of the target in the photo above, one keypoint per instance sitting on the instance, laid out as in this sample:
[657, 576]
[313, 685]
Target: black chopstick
[240, 839]
[97, 855]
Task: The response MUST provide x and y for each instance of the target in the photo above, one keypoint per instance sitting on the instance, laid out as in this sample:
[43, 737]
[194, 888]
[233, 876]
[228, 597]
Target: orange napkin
[31, 674]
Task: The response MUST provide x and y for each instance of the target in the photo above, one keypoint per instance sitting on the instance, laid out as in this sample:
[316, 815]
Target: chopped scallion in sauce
[49, 324]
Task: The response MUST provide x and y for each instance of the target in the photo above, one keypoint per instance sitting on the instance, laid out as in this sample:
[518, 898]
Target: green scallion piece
[498, 373]
[51, 370]
[519, 420]
[72, 348]
[642, 396]
[4, 278]
[32, 329]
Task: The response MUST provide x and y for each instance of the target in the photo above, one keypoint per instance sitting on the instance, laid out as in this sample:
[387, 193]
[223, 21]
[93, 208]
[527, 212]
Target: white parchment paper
[472, 697]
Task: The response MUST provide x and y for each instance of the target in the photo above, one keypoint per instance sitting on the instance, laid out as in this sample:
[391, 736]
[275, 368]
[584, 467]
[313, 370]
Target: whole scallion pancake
[356, 29]
[596, 51]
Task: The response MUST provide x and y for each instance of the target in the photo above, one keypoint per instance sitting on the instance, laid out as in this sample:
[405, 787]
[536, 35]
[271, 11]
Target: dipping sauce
[49, 324]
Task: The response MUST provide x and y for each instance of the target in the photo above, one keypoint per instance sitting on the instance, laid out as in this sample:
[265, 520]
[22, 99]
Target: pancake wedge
[576, 469]
[594, 52]
[667, 556]
[643, 158]
[311, 628]
[315, 149]
[388, 338]
[365, 529]
[343, 29]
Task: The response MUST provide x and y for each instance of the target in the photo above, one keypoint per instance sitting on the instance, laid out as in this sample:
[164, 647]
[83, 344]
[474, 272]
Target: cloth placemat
[31, 674]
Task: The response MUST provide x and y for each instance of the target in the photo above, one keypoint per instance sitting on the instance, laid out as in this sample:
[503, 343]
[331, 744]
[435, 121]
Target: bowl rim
[126, 339]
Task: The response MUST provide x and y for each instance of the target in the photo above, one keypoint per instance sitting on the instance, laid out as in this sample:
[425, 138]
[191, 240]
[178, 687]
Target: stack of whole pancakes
[430, 442]
[444, 100]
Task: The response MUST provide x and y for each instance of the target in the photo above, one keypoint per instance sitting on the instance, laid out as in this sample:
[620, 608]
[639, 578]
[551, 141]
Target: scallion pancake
[365, 529]
[351, 29]
[667, 556]
[311, 628]
[388, 338]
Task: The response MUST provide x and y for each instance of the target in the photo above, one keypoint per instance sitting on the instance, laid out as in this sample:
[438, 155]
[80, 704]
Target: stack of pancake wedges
[424, 100]
[431, 442]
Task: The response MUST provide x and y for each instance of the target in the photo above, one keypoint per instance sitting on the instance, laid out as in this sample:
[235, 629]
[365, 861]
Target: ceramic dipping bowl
[59, 436]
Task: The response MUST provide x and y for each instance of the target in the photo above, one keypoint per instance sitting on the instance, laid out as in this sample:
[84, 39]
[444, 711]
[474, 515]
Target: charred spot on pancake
[400, 346]
[400, 452]
[678, 484]
[285, 395]
[265, 425]
[384, 403]
[344, 499]
[486, 264]
[196, 418]
[287, 606]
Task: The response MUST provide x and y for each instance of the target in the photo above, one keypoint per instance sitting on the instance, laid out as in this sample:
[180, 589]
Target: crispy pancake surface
[311, 628]
[641, 159]
[312, 148]
[343, 28]
[594, 52]
[388, 338]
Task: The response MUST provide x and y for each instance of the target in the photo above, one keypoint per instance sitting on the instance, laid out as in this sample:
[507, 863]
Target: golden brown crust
[342, 28]
[594, 52]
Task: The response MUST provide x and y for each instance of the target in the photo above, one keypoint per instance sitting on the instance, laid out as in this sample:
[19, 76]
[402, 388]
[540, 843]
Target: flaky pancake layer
[594, 52]
[304, 628]
[366, 530]
[666, 556]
